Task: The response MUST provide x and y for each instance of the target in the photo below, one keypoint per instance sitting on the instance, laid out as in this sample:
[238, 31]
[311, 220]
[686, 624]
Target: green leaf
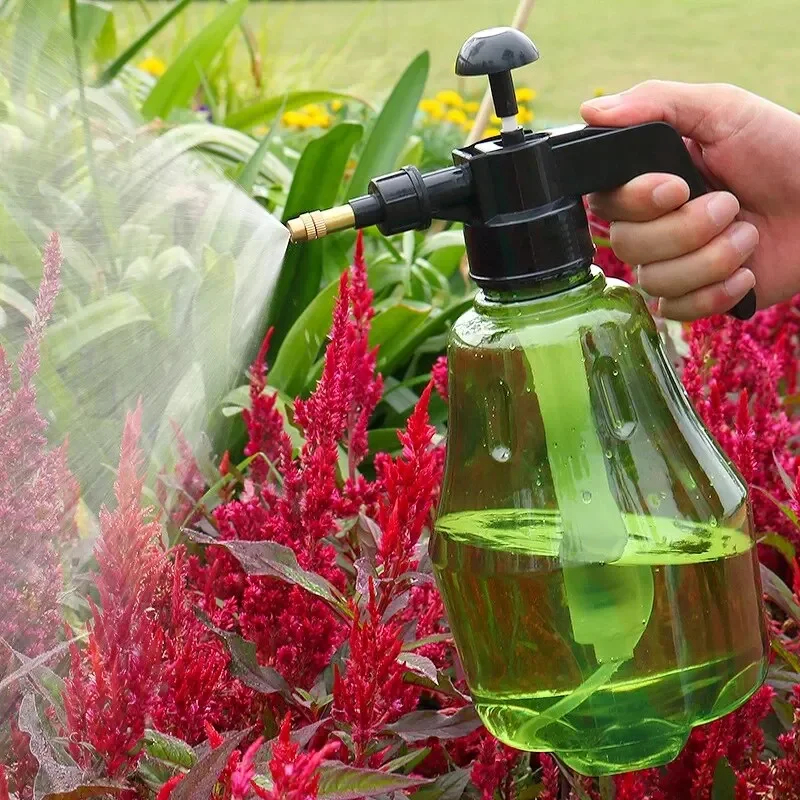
[341, 782]
[383, 440]
[169, 749]
[315, 185]
[444, 251]
[300, 348]
[392, 127]
[724, 781]
[113, 69]
[177, 85]
[92, 17]
[265, 110]
[203, 776]
[18, 249]
[93, 322]
[31, 665]
[252, 169]
[409, 760]
[787, 655]
[781, 544]
[213, 321]
[11, 297]
[392, 328]
[34, 24]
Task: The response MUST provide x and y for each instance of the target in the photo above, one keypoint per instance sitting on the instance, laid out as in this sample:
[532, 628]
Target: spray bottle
[593, 543]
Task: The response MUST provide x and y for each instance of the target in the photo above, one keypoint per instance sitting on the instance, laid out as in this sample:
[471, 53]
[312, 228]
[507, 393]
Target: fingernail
[744, 237]
[605, 102]
[722, 208]
[670, 194]
[741, 281]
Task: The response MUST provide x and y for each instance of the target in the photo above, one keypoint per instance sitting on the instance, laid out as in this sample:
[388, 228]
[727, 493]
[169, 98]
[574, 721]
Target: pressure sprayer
[593, 543]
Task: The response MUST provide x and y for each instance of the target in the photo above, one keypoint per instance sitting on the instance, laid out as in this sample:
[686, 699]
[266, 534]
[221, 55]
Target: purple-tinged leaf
[301, 737]
[365, 572]
[276, 561]
[244, 662]
[419, 664]
[396, 606]
[407, 761]
[450, 786]
[786, 655]
[200, 780]
[781, 544]
[788, 483]
[780, 594]
[443, 685]
[31, 665]
[369, 537]
[58, 776]
[341, 782]
[435, 638]
[421, 725]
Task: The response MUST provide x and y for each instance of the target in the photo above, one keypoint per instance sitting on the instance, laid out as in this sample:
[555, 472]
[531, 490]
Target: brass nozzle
[316, 224]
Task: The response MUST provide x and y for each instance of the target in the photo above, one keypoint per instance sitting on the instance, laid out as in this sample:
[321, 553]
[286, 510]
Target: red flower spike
[165, 792]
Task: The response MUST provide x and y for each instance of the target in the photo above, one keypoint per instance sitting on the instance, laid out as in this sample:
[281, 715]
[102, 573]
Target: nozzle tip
[316, 224]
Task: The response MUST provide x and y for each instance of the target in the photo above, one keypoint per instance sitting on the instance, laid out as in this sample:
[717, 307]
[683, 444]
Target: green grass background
[364, 45]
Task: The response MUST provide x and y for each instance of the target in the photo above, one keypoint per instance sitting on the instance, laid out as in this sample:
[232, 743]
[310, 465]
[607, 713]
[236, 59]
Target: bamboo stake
[482, 118]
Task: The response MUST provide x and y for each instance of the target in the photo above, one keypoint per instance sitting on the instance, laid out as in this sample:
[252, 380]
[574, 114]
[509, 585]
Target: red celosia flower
[410, 489]
[493, 767]
[295, 775]
[245, 771]
[370, 694]
[440, 377]
[37, 494]
[551, 778]
[605, 257]
[113, 681]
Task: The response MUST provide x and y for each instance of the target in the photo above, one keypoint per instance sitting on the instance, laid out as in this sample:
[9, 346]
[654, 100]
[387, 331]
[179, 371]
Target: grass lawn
[363, 45]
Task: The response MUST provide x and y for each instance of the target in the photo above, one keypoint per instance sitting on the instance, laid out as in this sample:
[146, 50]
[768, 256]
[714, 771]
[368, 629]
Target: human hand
[701, 257]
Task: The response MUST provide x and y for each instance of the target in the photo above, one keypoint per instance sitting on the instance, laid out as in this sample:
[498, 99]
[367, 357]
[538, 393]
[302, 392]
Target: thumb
[695, 110]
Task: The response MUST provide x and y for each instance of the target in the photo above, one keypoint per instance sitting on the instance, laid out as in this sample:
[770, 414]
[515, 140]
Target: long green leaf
[342, 782]
[91, 18]
[11, 297]
[302, 344]
[252, 169]
[392, 127]
[177, 85]
[315, 185]
[93, 322]
[34, 24]
[113, 69]
[264, 110]
[391, 327]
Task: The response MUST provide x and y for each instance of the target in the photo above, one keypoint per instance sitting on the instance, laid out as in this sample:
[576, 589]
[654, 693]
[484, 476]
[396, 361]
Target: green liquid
[701, 652]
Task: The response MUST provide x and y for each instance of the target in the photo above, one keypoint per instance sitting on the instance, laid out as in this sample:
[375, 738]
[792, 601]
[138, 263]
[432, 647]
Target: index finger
[645, 198]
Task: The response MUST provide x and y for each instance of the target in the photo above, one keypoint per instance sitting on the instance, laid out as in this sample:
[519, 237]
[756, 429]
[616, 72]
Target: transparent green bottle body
[593, 543]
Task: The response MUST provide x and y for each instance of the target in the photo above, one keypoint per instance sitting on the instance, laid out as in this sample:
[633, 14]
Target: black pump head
[519, 194]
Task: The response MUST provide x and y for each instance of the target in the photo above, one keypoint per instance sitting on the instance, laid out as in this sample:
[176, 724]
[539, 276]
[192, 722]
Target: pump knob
[495, 52]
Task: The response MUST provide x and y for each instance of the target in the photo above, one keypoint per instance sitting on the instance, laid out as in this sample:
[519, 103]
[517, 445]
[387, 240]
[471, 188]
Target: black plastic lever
[600, 159]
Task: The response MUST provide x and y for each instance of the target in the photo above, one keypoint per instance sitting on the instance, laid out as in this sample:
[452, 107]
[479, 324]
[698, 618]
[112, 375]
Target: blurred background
[586, 45]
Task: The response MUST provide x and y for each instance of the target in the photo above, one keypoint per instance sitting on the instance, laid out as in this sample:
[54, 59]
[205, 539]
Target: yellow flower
[494, 119]
[467, 125]
[472, 107]
[155, 66]
[491, 132]
[599, 92]
[450, 98]
[433, 108]
[295, 119]
[336, 105]
[525, 95]
[312, 109]
[456, 115]
[525, 115]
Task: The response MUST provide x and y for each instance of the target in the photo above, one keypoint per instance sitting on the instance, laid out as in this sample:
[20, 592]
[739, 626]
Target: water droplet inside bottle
[654, 500]
[609, 454]
[501, 453]
[713, 522]
[586, 497]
